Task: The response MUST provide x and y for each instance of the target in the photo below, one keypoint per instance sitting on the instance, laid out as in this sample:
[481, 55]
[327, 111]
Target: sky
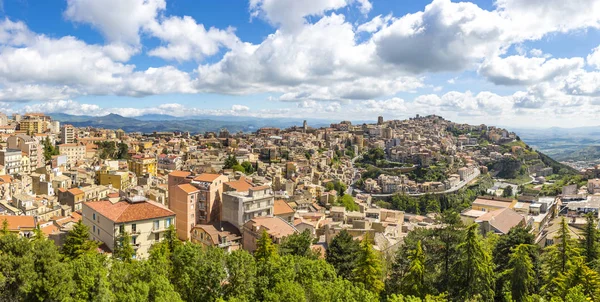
[520, 63]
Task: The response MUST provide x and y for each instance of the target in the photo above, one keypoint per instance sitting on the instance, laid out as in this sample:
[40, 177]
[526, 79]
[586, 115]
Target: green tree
[49, 149]
[248, 167]
[230, 162]
[198, 272]
[348, 202]
[473, 271]
[342, 254]
[449, 235]
[165, 151]
[589, 243]
[77, 241]
[241, 276]
[53, 279]
[298, 244]
[508, 192]
[368, 270]
[16, 267]
[558, 258]
[288, 291]
[581, 275]
[90, 277]
[265, 249]
[413, 282]
[238, 168]
[521, 274]
[124, 251]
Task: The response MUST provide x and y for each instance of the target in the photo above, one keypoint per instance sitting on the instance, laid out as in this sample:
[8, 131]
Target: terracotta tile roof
[502, 220]
[213, 230]
[275, 226]
[240, 185]
[6, 178]
[260, 188]
[75, 191]
[281, 208]
[124, 211]
[16, 223]
[188, 188]
[207, 177]
[180, 173]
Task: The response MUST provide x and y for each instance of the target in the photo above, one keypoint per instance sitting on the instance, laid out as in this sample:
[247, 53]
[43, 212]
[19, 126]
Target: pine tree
[558, 258]
[4, 230]
[123, 249]
[581, 275]
[368, 269]
[589, 244]
[413, 282]
[473, 270]
[77, 241]
[342, 254]
[520, 273]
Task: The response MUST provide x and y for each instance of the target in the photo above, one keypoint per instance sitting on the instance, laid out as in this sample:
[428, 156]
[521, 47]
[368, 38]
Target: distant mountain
[159, 122]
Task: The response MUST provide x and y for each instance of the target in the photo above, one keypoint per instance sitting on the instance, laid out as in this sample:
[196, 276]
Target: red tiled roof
[124, 211]
[188, 188]
[281, 207]
[180, 173]
[240, 185]
[75, 191]
[207, 177]
[16, 223]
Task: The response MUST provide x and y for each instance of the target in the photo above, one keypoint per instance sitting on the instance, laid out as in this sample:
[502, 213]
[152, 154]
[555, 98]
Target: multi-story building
[33, 125]
[74, 152]
[119, 180]
[30, 146]
[67, 134]
[73, 198]
[11, 160]
[146, 221]
[239, 207]
[21, 225]
[195, 200]
[142, 165]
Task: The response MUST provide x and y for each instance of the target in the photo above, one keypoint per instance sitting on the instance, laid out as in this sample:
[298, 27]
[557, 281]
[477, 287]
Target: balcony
[158, 230]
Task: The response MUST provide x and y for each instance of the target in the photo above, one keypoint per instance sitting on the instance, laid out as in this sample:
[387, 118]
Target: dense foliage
[450, 263]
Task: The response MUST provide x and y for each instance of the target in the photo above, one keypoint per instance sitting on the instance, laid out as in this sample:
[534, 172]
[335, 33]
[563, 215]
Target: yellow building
[117, 179]
[142, 164]
[33, 126]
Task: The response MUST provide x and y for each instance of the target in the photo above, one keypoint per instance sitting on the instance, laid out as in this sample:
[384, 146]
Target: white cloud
[593, 59]
[185, 39]
[446, 36]
[520, 70]
[240, 108]
[290, 14]
[375, 24]
[118, 20]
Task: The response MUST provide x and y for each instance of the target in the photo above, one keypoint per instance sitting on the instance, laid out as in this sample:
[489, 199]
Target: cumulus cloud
[118, 20]
[521, 70]
[240, 108]
[593, 59]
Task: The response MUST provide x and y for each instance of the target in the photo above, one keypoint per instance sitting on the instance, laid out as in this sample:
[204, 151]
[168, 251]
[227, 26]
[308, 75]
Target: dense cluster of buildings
[143, 184]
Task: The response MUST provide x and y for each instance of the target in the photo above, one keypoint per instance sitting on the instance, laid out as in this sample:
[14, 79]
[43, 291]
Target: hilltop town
[381, 182]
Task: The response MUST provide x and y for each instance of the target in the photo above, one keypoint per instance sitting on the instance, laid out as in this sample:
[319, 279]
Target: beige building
[67, 134]
[239, 207]
[74, 152]
[31, 147]
[276, 227]
[146, 221]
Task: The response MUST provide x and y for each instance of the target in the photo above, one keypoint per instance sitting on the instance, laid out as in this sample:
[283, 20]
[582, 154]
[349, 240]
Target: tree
[413, 282]
[368, 270]
[503, 250]
[241, 276]
[558, 258]
[521, 273]
[49, 149]
[473, 271]
[265, 249]
[16, 267]
[508, 192]
[238, 168]
[123, 249]
[90, 277]
[581, 275]
[285, 291]
[589, 243]
[230, 162]
[348, 202]
[77, 241]
[53, 279]
[198, 272]
[342, 254]
[165, 151]
[248, 167]
[298, 244]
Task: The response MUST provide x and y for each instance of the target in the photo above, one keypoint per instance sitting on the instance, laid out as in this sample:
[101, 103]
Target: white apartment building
[74, 152]
[240, 207]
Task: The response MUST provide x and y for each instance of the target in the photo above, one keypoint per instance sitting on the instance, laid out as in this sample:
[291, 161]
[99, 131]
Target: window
[157, 236]
[94, 216]
[122, 229]
[94, 229]
[167, 222]
[134, 239]
[156, 224]
[98, 231]
[133, 228]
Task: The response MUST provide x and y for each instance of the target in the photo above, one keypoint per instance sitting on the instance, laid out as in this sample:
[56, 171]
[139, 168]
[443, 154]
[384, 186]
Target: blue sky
[507, 62]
